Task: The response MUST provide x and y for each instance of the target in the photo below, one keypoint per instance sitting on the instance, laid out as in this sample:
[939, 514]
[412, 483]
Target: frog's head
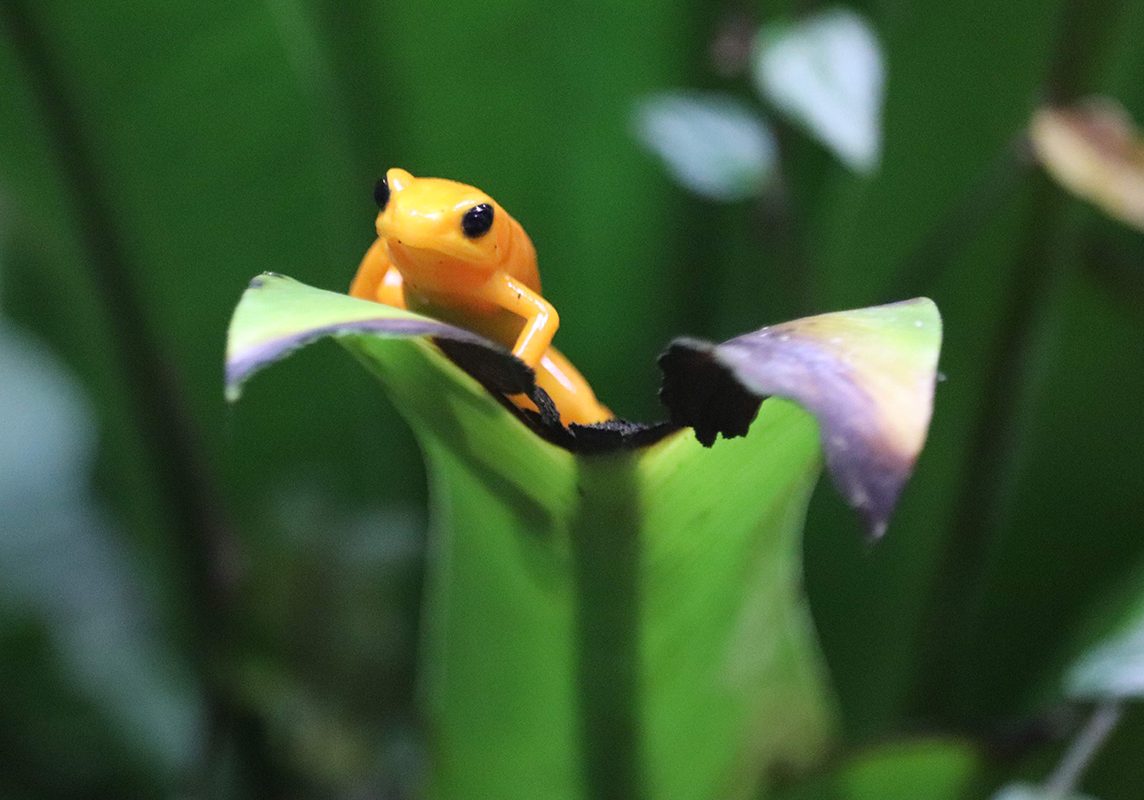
[426, 218]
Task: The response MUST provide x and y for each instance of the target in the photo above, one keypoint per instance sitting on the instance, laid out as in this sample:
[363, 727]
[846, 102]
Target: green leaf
[933, 769]
[280, 316]
[629, 624]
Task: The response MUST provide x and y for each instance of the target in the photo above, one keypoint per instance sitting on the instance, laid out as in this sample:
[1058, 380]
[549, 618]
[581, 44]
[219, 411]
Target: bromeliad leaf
[867, 375]
[646, 601]
[278, 315]
[557, 577]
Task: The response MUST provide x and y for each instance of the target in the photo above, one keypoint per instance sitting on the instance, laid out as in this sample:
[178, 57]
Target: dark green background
[153, 157]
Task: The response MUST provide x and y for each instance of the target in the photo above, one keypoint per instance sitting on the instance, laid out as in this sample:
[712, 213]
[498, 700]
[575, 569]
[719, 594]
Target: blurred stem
[696, 300]
[782, 220]
[1066, 777]
[204, 539]
[1049, 246]
[954, 612]
[1120, 277]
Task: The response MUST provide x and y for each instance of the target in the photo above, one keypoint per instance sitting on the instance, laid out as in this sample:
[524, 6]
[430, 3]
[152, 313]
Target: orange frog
[448, 251]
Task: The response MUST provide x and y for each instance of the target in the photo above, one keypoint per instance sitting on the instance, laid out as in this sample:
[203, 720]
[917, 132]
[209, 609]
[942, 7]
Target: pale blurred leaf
[1024, 791]
[1094, 151]
[826, 72]
[1114, 667]
[712, 144]
[63, 565]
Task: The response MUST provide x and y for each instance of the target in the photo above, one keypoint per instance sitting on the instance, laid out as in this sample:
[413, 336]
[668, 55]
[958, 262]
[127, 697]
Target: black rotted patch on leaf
[504, 375]
[494, 369]
[617, 434]
[702, 394]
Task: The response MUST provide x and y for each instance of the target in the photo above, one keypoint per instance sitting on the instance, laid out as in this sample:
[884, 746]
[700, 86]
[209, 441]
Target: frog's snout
[413, 228]
[398, 179]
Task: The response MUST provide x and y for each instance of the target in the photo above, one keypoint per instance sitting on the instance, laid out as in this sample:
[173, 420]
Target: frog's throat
[438, 270]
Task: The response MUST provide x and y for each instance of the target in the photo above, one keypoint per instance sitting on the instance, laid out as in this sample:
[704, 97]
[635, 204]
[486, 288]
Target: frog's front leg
[377, 279]
[540, 318]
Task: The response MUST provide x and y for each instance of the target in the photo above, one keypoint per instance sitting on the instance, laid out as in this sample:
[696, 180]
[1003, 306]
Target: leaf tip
[233, 390]
[868, 376]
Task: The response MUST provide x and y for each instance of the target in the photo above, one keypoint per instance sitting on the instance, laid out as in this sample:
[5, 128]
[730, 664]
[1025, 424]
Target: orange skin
[482, 278]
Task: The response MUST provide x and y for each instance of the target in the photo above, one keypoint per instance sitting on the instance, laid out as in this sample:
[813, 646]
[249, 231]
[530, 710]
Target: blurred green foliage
[154, 156]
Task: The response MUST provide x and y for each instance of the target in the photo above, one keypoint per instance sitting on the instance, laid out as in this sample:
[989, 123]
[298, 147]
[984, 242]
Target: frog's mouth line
[408, 251]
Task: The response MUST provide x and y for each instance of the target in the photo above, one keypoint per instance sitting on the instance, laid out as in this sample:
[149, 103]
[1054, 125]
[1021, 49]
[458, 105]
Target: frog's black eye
[381, 193]
[477, 221]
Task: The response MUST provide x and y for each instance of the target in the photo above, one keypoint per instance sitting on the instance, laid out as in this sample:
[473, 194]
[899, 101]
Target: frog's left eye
[381, 193]
[477, 221]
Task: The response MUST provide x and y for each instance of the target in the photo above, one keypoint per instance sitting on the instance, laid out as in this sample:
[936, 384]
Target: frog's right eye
[381, 193]
[477, 221]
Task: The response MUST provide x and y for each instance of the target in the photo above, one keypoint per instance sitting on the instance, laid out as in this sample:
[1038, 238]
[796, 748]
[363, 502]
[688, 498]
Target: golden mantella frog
[449, 251]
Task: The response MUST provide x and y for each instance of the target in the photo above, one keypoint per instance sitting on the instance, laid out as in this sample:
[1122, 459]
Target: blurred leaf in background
[826, 72]
[1020, 791]
[1096, 152]
[1113, 669]
[714, 145]
[926, 768]
[73, 599]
